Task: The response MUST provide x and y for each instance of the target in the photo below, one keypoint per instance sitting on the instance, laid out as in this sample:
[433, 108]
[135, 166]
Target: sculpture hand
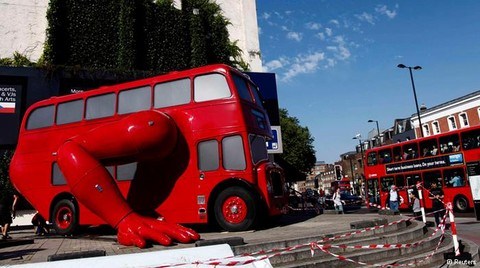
[136, 230]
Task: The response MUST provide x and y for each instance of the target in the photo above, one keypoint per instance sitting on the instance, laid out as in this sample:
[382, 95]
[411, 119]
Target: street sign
[275, 146]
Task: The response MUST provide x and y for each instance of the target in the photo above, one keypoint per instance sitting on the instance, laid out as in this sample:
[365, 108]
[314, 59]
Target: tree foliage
[5, 185]
[138, 34]
[297, 141]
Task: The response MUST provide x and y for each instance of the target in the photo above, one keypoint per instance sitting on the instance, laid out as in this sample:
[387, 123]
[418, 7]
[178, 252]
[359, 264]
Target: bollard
[420, 197]
[453, 228]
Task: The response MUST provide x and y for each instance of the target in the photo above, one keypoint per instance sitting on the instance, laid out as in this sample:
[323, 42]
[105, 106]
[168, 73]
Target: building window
[435, 127]
[426, 130]
[451, 123]
[463, 120]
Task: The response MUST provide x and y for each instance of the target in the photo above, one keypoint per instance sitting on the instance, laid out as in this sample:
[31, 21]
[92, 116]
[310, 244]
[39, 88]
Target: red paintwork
[162, 142]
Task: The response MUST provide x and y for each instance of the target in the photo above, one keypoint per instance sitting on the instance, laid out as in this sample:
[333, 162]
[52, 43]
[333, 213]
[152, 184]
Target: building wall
[468, 105]
[23, 25]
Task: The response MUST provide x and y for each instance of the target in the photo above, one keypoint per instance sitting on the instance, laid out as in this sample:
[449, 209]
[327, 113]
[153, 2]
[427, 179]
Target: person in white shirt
[338, 202]
[394, 199]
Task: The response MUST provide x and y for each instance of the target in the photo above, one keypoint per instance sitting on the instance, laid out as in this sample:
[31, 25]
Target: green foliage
[298, 148]
[18, 60]
[138, 34]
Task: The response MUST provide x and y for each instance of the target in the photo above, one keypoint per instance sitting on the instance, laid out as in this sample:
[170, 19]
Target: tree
[297, 141]
[5, 185]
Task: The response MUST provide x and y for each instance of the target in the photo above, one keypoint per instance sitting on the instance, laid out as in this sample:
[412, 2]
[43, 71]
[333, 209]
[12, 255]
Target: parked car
[351, 201]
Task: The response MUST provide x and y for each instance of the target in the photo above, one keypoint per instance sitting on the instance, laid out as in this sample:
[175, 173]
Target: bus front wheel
[460, 203]
[236, 209]
[65, 219]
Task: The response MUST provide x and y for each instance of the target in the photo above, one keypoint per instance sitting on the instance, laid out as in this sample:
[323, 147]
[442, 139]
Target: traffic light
[338, 172]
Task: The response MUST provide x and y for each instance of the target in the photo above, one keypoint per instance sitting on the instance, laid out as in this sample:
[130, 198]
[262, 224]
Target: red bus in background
[218, 172]
[445, 159]
[343, 184]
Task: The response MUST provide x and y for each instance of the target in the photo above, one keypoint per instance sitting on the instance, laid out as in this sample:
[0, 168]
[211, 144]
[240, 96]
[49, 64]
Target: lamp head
[401, 66]
[417, 68]
[371, 121]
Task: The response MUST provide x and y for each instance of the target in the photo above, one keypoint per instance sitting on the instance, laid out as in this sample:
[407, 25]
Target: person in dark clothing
[437, 195]
[8, 202]
[40, 224]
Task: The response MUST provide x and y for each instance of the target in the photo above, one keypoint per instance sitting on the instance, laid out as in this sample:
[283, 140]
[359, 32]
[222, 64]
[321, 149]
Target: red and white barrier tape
[266, 254]
[324, 248]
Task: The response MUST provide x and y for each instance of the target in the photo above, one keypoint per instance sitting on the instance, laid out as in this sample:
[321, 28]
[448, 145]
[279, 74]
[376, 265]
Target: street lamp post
[414, 92]
[378, 131]
[359, 138]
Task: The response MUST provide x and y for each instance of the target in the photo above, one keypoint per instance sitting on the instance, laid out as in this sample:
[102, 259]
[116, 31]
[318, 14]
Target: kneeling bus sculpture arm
[142, 135]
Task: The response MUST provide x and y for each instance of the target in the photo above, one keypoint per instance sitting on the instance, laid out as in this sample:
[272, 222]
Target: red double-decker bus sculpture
[187, 147]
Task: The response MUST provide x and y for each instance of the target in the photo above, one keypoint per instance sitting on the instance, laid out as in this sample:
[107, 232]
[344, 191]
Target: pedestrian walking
[415, 205]
[394, 200]
[338, 202]
[437, 195]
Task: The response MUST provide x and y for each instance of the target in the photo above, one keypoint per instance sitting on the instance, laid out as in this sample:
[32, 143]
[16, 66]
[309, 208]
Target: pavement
[26, 248]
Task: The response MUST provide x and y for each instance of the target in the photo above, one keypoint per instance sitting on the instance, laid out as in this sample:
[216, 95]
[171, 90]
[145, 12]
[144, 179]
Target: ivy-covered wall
[138, 35]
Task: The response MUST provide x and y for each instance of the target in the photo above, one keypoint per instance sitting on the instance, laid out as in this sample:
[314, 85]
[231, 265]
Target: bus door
[403, 190]
[411, 181]
[373, 191]
[385, 183]
[473, 171]
[429, 178]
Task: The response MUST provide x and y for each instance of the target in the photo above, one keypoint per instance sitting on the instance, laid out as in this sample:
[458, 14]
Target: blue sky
[335, 61]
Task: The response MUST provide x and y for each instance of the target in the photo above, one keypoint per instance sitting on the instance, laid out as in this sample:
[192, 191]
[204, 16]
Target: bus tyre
[65, 218]
[236, 209]
[460, 203]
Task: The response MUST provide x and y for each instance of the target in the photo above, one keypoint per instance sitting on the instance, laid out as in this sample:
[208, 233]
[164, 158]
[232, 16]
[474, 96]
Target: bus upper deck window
[449, 144]
[134, 100]
[397, 153]
[428, 147]
[172, 93]
[242, 88]
[410, 151]
[256, 94]
[211, 87]
[69, 112]
[41, 117]
[372, 158]
[385, 156]
[471, 139]
[100, 106]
